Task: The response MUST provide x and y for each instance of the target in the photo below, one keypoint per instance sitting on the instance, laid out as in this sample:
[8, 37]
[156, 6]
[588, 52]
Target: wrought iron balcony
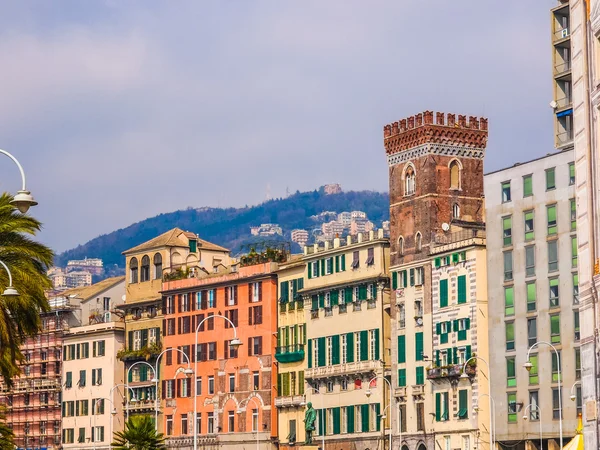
[451, 371]
[339, 370]
[289, 353]
[289, 401]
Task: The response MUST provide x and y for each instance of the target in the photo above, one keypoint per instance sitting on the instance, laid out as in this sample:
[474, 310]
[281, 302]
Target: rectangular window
[555, 363]
[230, 422]
[420, 375]
[184, 424]
[573, 251]
[576, 325]
[443, 293]
[554, 293]
[571, 174]
[231, 383]
[507, 230]
[510, 336]
[552, 226]
[463, 404]
[211, 385]
[355, 260]
[211, 423]
[573, 214]
[534, 412]
[506, 191]
[576, 289]
[401, 377]
[532, 331]
[531, 296]
[552, 256]
[420, 416]
[509, 301]
[527, 186]
[555, 404]
[511, 373]
[419, 346]
[555, 328]
[529, 227]
[512, 406]
[550, 179]
[530, 261]
[533, 373]
[370, 256]
[577, 364]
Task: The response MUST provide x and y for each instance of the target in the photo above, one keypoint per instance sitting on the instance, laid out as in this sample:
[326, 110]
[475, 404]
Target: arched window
[456, 211]
[418, 241]
[157, 266]
[145, 276]
[454, 175]
[401, 245]
[409, 181]
[133, 270]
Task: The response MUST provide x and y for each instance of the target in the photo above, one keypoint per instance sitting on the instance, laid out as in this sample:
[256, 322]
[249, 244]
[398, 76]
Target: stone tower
[436, 178]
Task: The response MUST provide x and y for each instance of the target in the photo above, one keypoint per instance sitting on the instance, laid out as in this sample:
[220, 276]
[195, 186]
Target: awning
[577, 442]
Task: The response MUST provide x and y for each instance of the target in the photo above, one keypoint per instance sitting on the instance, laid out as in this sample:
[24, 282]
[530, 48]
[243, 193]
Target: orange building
[234, 385]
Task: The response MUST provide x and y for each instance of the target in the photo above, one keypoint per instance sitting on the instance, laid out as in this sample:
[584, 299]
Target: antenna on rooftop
[268, 196]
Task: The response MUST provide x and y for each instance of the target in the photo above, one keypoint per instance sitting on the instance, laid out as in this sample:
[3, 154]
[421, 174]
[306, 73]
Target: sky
[121, 110]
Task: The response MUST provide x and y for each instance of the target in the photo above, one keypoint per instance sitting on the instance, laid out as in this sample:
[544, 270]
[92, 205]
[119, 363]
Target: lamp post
[465, 376]
[155, 380]
[234, 343]
[10, 291]
[368, 394]
[528, 366]
[493, 420]
[239, 411]
[322, 412]
[573, 397]
[143, 363]
[539, 411]
[113, 412]
[23, 199]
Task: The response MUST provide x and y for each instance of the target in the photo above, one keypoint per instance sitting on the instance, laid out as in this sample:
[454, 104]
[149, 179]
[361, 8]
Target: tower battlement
[420, 129]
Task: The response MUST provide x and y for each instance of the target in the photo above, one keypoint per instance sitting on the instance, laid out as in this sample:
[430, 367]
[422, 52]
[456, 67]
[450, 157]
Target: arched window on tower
[454, 175]
[409, 181]
[145, 275]
[456, 211]
[401, 245]
[133, 270]
[418, 243]
[157, 266]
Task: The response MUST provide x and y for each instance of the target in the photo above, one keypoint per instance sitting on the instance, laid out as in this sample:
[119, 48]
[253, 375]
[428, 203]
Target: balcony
[289, 401]
[451, 241]
[451, 371]
[143, 354]
[561, 34]
[289, 353]
[400, 391]
[418, 389]
[340, 370]
[561, 69]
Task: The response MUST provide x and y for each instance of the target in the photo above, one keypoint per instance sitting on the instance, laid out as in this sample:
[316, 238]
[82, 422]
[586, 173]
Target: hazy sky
[120, 110]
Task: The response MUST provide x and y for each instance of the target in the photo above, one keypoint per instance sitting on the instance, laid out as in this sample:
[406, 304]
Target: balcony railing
[459, 236]
[289, 401]
[451, 371]
[564, 138]
[561, 34]
[343, 369]
[562, 67]
[418, 389]
[145, 353]
[400, 391]
[289, 353]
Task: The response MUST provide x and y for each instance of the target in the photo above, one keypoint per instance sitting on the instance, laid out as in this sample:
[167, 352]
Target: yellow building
[348, 324]
[291, 352]
[173, 255]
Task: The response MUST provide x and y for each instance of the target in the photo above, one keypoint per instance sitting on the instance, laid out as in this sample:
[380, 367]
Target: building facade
[532, 267]
[290, 352]
[346, 292]
[173, 255]
[438, 267]
[234, 387]
[91, 410]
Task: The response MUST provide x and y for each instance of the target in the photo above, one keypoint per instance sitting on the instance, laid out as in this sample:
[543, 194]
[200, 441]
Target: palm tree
[28, 262]
[6, 434]
[139, 434]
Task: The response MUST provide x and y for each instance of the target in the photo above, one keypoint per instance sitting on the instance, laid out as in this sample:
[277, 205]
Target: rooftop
[94, 290]
[175, 238]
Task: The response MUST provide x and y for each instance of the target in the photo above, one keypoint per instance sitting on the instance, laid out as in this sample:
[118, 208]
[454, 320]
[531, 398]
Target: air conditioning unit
[564, 32]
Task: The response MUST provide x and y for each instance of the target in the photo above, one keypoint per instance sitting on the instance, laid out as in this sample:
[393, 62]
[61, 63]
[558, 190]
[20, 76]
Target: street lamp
[528, 366]
[23, 199]
[464, 375]
[493, 422]
[155, 379]
[368, 394]
[322, 422]
[234, 343]
[239, 411]
[134, 399]
[573, 397]
[113, 412]
[10, 291]
[539, 411]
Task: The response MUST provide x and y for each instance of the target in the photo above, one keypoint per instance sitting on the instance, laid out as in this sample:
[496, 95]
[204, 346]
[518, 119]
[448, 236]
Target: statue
[310, 416]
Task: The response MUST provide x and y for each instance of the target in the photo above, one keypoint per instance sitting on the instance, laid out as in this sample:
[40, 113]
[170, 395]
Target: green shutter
[310, 353]
[455, 355]
[285, 290]
[463, 402]
[336, 421]
[364, 345]
[309, 271]
[401, 377]
[401, 349]
[315, 303]
[377, 353]
[279, 384]
[334, 297]
[420, 375]
[350, 347]
[438, 406]
[394, 280]
[437, 358]
[321, 300]
[322, 267]
[468, 352]
[404, 279]
[350, 418]
[130, 346]
[378, 416]
[462, 289]
[364, 418]
[343, 263]
[468, 323]
[348, 295]
[321, 344]
[438, 328]
[443, 293]
[335, 357]
[419, 346]
[438, 262]
[362, 292]
[322, 428]
[337, 263]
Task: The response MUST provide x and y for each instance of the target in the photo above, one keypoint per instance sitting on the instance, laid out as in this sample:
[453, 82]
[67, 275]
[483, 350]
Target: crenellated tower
[436, 178]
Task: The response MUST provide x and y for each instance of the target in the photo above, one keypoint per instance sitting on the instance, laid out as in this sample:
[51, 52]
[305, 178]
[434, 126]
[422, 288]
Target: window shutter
[322, 267]
[420, 375]
[336, 420]
[350, 418]
[250, 317]
[462, 399]
[310, 353]
[285, 290]
[259, 345]
[343, 263]
[364, 345]
[321, 344]
[455, 325]
[468, 352]
[249, 346]
[402, 377]
[438, 328]
[449, 354]
[335, 357]
[349, 347]
[362, 292]
[309, 270]
[455, 355]
[462, 289]
[321, 300]
[437, 358]
[467, 323]
[404, 279]
[144, 338]
[443, 293]
[378, 416]
[394, 280]
[315, 303]
[337, 263]
[94, 377]
[130, 340]
[364, 418]
[438, 406]
[178, 394]
[401, 349]
[300, 283]
[438, 262]
[419, 346]
[322, 426]
[348, 295]
[377, 355]
[334, 298]
[412, 277]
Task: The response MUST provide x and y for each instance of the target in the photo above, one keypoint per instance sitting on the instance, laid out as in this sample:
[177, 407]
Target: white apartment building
[533, 289]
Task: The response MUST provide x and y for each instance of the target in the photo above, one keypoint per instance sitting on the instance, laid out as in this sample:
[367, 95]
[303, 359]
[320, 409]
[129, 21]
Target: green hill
[230, 227]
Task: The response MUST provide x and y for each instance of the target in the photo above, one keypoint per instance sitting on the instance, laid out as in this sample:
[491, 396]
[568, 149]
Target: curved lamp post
[23, 199]
[493, 420]
[10, 291]
[322, 412]
[528, 366]
[155, 379]
[239, 411]
[234, 343]
[113, 412]
[134, 399]
[531, 406]
[573, 397]
[368, 394]
[465, 376]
